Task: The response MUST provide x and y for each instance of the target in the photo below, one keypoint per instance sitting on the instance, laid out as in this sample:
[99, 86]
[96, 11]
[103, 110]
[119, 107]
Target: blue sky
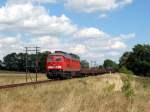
[95, 30]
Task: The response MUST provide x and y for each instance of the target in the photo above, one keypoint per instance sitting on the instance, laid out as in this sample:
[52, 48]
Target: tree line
[136, 61]
[17, 62]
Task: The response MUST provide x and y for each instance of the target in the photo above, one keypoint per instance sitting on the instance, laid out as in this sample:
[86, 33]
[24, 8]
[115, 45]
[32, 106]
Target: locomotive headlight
[53, 67]
[58, 66]
[50, 67]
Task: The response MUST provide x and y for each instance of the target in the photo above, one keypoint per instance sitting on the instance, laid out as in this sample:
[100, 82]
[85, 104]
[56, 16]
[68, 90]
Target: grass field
[7, 77]
[91, 94]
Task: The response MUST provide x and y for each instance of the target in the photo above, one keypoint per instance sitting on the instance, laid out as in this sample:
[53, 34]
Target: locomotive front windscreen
[55, 59]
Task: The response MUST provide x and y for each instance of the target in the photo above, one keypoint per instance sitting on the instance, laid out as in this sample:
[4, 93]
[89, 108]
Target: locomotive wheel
[49, 77]
[69, 75]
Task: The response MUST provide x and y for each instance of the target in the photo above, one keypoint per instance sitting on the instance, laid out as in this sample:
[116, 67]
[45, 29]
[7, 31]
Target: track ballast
[9, 86]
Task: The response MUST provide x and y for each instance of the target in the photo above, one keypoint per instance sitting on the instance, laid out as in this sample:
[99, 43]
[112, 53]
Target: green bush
[127, 88]
[110, 64]
[138, 60]
[125, 70]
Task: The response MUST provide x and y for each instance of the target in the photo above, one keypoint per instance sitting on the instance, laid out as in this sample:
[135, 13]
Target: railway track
[9, 86]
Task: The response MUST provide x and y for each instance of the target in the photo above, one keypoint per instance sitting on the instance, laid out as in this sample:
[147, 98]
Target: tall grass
[90, 94]
[7, 77]
[128, 90]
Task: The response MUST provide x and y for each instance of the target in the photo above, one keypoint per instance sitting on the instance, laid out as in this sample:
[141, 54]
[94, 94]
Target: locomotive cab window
[49, 59]
[55, 59]
[58, 59]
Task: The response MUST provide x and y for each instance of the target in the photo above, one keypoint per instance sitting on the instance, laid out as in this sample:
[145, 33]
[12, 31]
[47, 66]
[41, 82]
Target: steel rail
[9, 86]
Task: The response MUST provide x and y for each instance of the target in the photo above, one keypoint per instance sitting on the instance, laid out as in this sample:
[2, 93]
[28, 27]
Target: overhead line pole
[36, 49]
[26, 64]
[37, 62]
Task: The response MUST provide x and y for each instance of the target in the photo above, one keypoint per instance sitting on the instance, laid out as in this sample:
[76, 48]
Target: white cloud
[93, 48]
[9, 44]
[94, 44]
[90, 33]
[79, 49]
[102, 16]
[90, 6]
[118, 45]
[113, 53]
[37, 27]
[8, 40]
[27, 1]
[46, 42]
[33, 20]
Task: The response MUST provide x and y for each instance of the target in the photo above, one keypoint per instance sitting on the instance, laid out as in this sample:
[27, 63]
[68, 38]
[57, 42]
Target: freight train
[62, 65]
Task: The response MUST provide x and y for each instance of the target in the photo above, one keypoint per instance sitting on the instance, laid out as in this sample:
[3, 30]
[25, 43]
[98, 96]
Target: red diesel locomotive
[62, 65]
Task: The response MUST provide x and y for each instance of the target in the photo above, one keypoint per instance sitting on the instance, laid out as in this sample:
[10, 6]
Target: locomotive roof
[68, 55]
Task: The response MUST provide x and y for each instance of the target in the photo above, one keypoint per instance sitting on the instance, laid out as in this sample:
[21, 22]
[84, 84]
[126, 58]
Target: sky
[94, 29]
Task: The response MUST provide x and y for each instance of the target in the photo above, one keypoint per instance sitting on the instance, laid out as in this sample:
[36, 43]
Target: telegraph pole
[26, 64]
[36, 62]
[36, 50]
